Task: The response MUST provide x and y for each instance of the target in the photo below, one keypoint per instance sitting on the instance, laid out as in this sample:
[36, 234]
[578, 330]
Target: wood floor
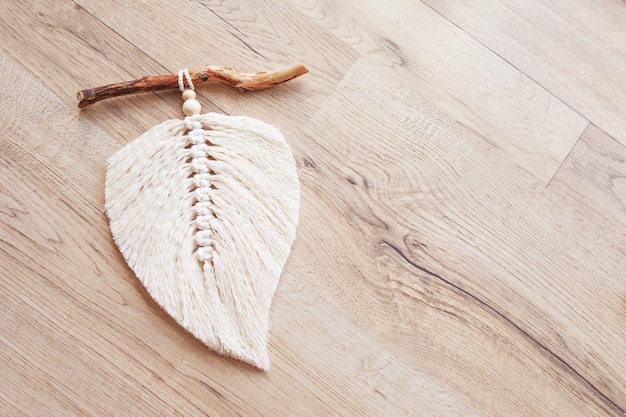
[462, 241]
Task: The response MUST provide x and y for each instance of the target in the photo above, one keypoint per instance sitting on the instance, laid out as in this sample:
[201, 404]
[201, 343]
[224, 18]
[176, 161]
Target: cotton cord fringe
[204, 210]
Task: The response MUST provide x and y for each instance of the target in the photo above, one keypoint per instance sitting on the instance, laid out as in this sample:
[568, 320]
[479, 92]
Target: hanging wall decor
[204, 210]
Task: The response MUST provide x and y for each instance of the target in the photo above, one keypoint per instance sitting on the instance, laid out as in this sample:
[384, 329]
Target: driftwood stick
[239, 79]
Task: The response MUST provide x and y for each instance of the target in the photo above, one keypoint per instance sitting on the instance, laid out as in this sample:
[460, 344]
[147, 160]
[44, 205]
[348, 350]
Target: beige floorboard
[462, 243]
[573, 49]
[471, 83]
[453, 221]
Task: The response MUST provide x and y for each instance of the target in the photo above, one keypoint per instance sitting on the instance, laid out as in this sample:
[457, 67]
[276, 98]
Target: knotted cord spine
[202, 181]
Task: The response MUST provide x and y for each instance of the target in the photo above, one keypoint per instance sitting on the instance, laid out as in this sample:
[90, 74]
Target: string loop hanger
[191, 106]
[183, 75]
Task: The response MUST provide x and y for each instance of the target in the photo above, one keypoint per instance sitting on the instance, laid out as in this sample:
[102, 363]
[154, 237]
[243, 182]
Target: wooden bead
[191, 106]
[189, 95]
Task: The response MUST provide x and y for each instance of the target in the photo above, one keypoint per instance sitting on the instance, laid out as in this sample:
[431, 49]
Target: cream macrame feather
[204, 210]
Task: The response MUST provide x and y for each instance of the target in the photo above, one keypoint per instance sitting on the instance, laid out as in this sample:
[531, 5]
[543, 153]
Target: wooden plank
[474, 86]
[594, 173]
[574, 49]
[414, 212]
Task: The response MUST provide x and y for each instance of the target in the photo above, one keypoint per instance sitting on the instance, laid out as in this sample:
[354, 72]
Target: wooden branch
[211, 73]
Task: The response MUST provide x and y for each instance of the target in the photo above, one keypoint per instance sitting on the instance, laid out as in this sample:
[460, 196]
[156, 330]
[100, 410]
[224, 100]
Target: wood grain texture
[575, 51]
[475, 86]
[451, 221]
[462, 243]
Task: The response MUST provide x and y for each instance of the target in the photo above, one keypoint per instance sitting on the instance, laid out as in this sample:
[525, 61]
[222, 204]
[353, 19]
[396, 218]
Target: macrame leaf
[204, 210]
